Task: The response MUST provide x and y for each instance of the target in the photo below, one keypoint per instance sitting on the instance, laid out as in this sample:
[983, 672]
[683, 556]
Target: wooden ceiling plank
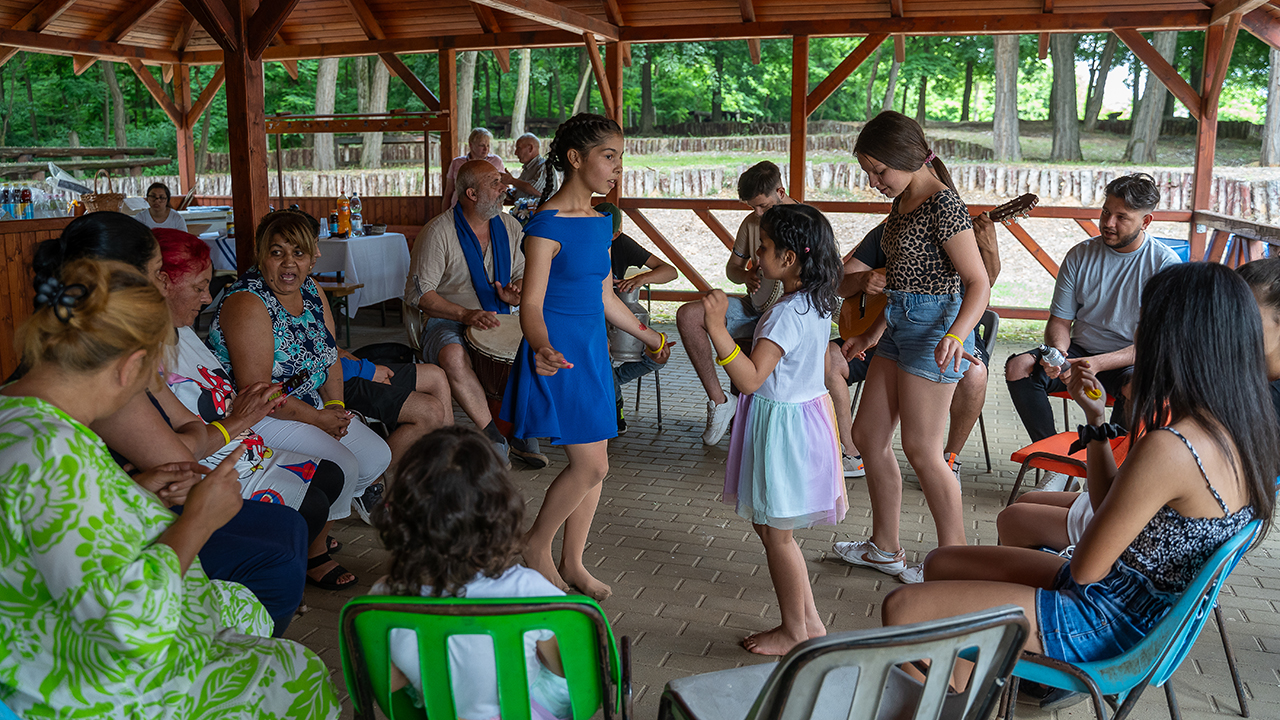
[265, 23]
[556, 16]
[117, 30]
[1226, 8]
[1264, 26]
[613, 12]
[368, 22]
[416, 86]
[36, 19]
[486, 17]
[157, 93]
[597, 68]
[62, 45]
[206, 96]
[842, 71]
[216, 20]
[1161, 68]
[186, 29]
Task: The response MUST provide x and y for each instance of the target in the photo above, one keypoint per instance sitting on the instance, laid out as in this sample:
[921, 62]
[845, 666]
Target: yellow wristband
[1093, 393]
[335, 403]
[737, 350]
[661, 345]
[953, 337]
[226, 437]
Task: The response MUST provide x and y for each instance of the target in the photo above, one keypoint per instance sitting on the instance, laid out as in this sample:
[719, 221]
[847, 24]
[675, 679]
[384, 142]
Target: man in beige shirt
[466, 269]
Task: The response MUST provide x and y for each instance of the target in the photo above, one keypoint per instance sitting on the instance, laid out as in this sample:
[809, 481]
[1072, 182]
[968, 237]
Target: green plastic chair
[597, 668]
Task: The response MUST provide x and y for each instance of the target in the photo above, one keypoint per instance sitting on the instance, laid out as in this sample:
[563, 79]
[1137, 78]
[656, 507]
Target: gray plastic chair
[855, 675]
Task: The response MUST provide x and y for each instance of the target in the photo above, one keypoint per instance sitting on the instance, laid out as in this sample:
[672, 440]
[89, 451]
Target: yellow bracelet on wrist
[953, 337]
[661, 345]
[226, 436]
[737, 350]
[336, 403]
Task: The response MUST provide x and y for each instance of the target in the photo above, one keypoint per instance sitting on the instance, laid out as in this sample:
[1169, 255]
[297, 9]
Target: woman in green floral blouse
[104, 608]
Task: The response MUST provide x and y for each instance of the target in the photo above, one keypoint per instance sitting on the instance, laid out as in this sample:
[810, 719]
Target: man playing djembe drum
[465, 271]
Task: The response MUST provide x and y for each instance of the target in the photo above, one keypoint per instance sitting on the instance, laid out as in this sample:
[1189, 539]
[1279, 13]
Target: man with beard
[466, 269]
[1095, 307]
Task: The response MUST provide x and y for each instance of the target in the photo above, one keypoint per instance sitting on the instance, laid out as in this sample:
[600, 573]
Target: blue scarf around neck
[499, 245]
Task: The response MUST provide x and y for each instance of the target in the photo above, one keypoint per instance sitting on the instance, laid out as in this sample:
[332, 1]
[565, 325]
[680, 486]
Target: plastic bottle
[333, 224]
[344, 216]
[1054, 357]
[357, 218]
[28, 208]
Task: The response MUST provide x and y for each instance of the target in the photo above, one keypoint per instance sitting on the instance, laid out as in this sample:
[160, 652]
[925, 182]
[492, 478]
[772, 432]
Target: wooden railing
[18, 239]
[1235, 241]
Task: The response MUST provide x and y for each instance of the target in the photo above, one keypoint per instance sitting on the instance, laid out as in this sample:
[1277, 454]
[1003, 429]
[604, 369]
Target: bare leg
[320, 546]
[464, 384]
[923, 430]
[993, 563]
[1036, 520]
[837, 379]
[690, 322]
[419, 415]
[873, 433]
[432, 381]
[790, 576]
[966, 406]
[588, 464]
[576, 528]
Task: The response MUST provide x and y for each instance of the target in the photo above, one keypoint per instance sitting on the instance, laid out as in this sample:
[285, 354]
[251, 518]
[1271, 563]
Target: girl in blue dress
[561, 385]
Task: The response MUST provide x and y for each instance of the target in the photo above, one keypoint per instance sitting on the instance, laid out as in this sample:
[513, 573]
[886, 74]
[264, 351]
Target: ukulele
[860, 311]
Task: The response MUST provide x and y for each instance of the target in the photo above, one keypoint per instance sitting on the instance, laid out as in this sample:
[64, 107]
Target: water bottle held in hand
[1054, 357]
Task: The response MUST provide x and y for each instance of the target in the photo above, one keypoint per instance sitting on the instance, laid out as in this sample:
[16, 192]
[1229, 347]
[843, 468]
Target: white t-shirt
[802, 333]
[472, 670]
[1100, 290]
[174, 220]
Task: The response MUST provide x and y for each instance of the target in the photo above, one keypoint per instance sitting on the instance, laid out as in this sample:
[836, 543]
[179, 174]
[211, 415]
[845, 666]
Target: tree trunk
[1099, 89]
[488, 96]
[31, 102]
[323, 157]
[871, 82]
[106, 105]
[892, 87]
[117, 104]
[1066, 122]
[1271, 130]
[581, 101]
[202, 155]
[648, 113]
[555, 75]
[371, 142]
[466, 95]
[717, 85]
[968, 91]
[1145, 130]
[520, 106]
[1004, 126]
[920, 103]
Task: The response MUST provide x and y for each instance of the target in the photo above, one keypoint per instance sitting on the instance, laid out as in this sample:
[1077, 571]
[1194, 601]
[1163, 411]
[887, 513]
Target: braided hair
[805, 231]
[582, 132]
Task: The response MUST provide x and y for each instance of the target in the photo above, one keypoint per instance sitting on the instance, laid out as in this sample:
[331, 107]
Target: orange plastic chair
[1051, 455]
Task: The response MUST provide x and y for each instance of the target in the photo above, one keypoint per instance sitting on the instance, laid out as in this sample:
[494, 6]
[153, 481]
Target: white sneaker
[852, 466]
[912, 575]
[865, 554]
[718, 417]
[1054, 482]
[953, 462]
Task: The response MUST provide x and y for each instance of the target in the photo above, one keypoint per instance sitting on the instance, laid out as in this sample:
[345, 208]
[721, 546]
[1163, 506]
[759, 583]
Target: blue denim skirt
[916, 323]
[1098, 621]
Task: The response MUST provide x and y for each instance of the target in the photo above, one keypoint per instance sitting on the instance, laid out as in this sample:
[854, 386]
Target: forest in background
[42, 103]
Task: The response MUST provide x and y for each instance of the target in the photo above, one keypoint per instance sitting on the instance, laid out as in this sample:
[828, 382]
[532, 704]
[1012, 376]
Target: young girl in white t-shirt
[453, 524]
[784, 467]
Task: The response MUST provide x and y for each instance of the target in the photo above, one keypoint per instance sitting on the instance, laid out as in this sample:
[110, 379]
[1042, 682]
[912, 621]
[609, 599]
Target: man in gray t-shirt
[1095, 305]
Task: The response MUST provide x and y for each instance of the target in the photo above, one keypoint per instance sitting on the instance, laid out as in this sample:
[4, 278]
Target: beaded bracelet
[335, 403]
[226, 436]
[1089, 433]
[737, 350]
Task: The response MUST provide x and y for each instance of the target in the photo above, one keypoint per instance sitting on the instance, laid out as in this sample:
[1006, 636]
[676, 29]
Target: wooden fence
[18, 239]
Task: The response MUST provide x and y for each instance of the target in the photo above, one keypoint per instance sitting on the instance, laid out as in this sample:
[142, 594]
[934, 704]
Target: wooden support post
[1042, 50]
[613, 78]
[1164, 72]
[799, 114]
[1216, 52]
[717, 228]
[186, 135]
[900, 48]
[448, 106]
[597, 67]
[247, 136]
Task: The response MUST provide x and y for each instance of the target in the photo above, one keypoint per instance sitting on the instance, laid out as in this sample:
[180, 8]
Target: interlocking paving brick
[690, 579]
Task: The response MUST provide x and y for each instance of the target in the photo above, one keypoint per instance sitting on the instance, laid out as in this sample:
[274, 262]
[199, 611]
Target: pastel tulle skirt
[784, 466]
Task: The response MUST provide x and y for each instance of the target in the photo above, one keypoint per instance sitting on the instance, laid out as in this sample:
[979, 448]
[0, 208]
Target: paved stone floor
[689, 578]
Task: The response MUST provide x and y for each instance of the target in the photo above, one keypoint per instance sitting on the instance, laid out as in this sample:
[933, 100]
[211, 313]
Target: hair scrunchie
[1089, 433]
[930, 157]
[62, 298]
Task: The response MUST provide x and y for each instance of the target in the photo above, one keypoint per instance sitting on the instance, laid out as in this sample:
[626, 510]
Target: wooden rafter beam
[1226, 8]
[553, 15]
[625, 49]
[1042, 46]
[157, 93]
[895, 8]
[1214, 91]
[216, 20]
[842, 71]
[1264, 25]
[1048, 6]
[62, 45]
[117, 30]
[206, 96]
[290, 66]
[36, 20]
[753, 50]
[186, 30]
[900, 48]
[613, 12]
[265, 23]
[1161, 68]
[488, 20]
[416, 86]
[748, 10]
[597, 68]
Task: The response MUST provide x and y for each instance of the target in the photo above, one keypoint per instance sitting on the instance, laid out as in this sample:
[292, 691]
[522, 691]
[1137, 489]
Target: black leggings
[326, 488]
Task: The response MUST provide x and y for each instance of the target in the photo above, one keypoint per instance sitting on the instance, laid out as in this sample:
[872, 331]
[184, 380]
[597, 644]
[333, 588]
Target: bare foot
[545, 565]
[816, 630]
[772, 642]
[584, 581]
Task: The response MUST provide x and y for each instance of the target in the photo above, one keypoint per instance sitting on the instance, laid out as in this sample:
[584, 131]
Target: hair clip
[806, 248]
[61, 298]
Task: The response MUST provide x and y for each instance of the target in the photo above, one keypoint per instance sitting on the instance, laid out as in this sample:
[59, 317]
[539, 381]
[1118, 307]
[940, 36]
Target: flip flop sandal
[330, 579]
[333, 545]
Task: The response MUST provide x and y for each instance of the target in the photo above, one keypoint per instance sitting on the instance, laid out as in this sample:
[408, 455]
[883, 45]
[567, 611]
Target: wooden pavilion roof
[166, 32]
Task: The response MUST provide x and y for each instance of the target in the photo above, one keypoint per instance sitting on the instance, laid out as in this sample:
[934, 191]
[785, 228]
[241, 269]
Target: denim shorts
[740, 319]
[915, 325]
[438, 333]
[1098, 621]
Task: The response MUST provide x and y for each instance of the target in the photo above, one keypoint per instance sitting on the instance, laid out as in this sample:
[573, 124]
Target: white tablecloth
[381, 262]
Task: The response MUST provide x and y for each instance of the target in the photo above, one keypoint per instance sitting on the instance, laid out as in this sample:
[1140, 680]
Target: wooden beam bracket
[597, 68]
[842, 71]
[1161, 68]
[685, 267]
[176, 116]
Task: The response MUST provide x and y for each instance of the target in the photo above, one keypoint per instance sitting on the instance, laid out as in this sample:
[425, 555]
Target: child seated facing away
[453, 525]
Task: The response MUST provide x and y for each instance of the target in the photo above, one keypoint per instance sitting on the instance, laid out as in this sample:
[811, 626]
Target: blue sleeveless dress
[575, 406]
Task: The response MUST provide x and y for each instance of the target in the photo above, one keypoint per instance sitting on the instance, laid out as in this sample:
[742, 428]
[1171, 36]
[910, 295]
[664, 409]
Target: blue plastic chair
[1156, 658]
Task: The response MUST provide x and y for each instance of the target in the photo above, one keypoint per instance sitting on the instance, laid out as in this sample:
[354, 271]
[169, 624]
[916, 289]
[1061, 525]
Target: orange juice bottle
[344, 216]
